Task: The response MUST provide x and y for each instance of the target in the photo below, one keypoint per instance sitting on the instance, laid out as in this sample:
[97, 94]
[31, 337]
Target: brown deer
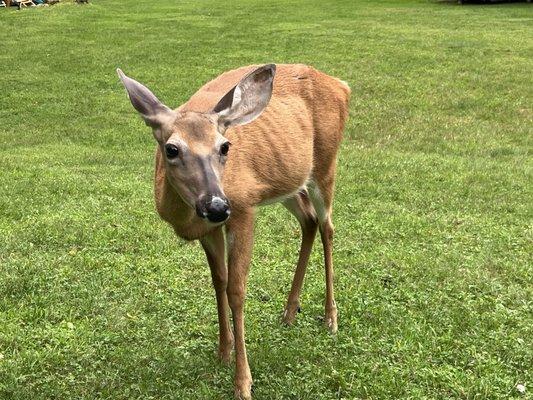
[252, 136]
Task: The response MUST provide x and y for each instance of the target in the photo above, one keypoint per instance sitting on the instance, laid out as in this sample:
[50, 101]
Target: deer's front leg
[240, 239]
[215, 249]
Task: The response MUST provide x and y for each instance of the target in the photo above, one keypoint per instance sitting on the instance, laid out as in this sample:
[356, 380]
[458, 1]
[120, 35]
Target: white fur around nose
[215, 201]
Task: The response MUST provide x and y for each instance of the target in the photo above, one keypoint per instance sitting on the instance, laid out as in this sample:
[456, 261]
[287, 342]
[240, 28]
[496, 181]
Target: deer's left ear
[246, 101]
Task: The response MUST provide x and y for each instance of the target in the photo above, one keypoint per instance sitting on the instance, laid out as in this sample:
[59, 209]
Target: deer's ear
[154, 113]
[246, 101]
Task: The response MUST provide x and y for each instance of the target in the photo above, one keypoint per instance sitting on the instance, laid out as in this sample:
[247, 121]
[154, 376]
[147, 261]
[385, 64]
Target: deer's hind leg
[321, 195]
[300, 206]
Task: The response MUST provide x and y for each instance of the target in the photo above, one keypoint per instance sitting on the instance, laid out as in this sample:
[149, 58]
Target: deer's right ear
[154, 113]
[246, 101]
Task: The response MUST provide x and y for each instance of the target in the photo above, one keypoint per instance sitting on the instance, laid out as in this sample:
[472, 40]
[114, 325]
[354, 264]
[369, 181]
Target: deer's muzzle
[216, 209]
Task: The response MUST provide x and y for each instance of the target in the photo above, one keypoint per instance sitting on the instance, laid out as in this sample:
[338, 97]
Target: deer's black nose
[215, 208]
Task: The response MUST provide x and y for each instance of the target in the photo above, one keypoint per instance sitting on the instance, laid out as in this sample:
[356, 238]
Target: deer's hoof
[224, 352]
[289, 315]
[330, 321]
[243, 391]
[224, 356]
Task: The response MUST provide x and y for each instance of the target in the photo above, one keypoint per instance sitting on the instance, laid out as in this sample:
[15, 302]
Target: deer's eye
[171, 150]
[224, 148]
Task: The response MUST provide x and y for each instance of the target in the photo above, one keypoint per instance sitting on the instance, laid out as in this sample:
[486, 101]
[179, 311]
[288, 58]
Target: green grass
[433, 212]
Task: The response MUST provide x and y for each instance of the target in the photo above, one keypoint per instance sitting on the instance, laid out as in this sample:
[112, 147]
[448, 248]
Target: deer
[253, 136]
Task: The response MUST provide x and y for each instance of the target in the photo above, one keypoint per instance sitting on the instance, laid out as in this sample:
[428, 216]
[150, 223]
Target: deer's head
[193, 144]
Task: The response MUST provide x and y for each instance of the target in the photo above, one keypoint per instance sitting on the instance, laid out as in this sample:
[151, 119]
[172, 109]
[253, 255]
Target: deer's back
[299, 131]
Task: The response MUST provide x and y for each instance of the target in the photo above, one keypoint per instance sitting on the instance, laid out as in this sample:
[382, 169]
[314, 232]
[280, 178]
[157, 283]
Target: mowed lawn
[433, 210]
